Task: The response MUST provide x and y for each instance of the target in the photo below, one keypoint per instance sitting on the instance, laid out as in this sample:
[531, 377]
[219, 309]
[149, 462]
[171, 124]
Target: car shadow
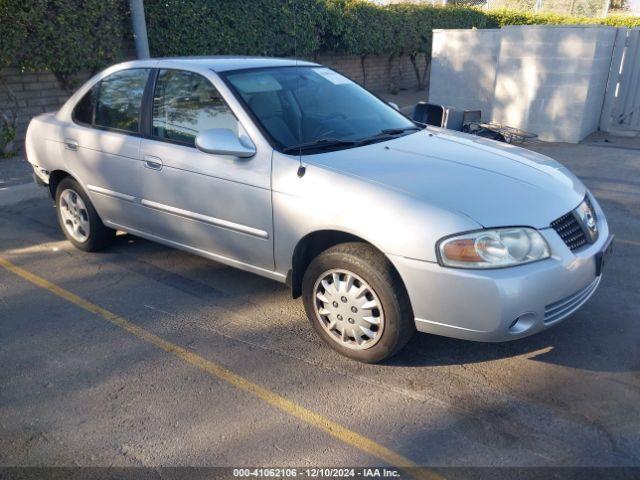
[582, 341]
[571, 344]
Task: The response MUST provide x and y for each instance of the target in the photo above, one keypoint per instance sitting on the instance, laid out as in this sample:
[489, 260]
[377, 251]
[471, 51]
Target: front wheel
[78, 219]
[357, 303]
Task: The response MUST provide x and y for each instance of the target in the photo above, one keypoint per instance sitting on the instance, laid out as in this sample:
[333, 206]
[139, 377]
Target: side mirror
[394, 105]
[222, 141]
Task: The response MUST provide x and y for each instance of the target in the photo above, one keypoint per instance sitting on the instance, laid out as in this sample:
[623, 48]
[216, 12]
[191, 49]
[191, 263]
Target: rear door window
[120, 99]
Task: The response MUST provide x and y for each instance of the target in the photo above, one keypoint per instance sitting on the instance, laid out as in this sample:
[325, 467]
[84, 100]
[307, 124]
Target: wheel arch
[55, 177]
[312, 245]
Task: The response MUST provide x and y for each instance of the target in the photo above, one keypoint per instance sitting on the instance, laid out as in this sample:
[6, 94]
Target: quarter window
[120, 99]
[185, 104]
[83, 113]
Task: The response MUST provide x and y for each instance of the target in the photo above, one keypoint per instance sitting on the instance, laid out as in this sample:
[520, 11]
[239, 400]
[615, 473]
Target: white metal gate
[621, 109]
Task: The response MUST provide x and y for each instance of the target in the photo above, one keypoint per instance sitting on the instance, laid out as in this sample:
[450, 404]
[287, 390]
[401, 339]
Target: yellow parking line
[332, 428]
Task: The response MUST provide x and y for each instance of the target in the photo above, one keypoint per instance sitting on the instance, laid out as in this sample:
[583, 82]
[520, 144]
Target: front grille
[570, 231]
[565, 307]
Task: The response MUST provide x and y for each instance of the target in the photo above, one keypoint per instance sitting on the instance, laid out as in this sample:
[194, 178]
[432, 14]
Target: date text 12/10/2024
[317, 472]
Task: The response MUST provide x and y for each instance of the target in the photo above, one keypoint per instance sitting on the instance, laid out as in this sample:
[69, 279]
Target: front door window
[185, 104]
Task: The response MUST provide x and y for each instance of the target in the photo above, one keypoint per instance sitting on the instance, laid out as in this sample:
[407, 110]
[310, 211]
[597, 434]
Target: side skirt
[279, 277]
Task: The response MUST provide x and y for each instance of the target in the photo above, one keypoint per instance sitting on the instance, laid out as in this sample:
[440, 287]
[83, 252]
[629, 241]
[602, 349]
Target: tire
[74, 209]
[364, 268]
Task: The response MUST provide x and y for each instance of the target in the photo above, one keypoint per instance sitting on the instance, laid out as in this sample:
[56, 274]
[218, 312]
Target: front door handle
[70, 144]
[154, 163]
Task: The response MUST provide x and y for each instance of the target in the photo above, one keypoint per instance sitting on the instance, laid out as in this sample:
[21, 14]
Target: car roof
[221, 63]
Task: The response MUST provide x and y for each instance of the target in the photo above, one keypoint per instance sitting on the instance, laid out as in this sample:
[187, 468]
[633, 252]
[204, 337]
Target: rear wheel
[78, 218]
[357, 302]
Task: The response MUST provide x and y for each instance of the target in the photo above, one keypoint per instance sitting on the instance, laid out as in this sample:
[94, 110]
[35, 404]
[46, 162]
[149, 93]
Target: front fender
[394, 222]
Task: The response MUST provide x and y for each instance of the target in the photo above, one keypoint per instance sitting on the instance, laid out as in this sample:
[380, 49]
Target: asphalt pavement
[142, 355]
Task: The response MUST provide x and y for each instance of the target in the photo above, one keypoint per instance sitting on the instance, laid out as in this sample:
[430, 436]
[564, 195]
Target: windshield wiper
[395, 131]
[327, 143]
[323, 143]
[386, 134]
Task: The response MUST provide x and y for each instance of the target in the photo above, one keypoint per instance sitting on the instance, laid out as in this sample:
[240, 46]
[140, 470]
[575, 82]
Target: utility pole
[139, 28]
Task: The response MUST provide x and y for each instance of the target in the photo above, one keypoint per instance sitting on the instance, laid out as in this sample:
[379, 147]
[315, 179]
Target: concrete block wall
[463, 68]
[600, 72]
[30, 94]
[35, 93]
[548, 80]
[552, 80]
[382, 75]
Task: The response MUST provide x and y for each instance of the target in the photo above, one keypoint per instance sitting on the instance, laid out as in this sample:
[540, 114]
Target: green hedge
[67, 36]
[507, 17]
[63, 36]
[298, 27]
[256, 27]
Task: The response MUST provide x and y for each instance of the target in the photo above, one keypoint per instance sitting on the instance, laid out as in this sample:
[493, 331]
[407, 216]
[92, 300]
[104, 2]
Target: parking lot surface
[142, 355]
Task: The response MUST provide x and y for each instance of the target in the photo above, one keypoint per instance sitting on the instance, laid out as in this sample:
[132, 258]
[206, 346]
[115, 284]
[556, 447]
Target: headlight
[501, 247]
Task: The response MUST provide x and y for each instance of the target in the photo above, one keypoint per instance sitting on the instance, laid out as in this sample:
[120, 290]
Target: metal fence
[581, 8]
[621, 110]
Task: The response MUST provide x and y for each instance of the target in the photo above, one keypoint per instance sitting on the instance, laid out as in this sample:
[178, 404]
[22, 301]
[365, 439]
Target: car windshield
[310, 109]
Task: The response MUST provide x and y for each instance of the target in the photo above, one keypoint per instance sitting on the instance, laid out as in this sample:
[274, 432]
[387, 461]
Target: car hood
[493, 183]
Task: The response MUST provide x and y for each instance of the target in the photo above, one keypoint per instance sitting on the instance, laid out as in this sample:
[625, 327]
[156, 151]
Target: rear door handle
[154, 163]
[70, 144]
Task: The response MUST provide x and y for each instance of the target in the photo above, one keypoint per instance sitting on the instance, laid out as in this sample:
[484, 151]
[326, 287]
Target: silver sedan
[292, 171]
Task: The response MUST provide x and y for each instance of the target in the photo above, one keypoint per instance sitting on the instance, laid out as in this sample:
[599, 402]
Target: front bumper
[503, 304]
